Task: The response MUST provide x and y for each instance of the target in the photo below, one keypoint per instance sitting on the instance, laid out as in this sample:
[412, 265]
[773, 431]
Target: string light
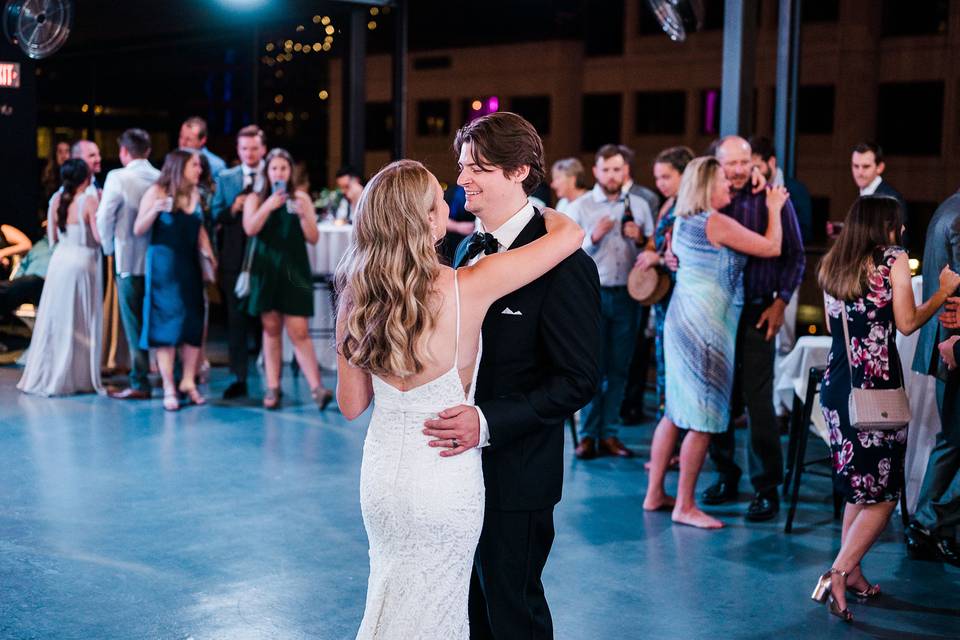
[323, 95]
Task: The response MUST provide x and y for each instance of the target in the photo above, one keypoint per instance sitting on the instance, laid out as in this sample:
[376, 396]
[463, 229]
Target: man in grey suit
[931, 533]
[233, 186]
[115, 217]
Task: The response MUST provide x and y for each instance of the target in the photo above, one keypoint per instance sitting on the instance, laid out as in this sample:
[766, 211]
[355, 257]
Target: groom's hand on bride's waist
[454, 430]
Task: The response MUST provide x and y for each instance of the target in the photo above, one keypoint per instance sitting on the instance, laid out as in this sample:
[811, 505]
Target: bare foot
[662, 502]
[695, 518]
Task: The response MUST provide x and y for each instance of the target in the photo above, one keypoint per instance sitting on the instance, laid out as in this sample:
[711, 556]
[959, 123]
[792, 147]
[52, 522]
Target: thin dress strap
[456, 294]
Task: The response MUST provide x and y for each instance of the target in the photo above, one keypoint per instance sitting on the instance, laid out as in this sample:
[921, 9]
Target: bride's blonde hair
[388, 273]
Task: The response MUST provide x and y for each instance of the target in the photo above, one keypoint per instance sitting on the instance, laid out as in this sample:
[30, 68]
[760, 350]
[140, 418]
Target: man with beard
[613, 240]
[768, 286]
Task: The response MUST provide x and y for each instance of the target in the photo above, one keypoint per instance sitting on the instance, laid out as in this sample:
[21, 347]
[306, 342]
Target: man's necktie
[479, 241]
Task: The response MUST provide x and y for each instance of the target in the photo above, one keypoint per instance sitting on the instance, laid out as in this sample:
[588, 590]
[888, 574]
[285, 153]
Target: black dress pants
[754, 385]
[506, 593]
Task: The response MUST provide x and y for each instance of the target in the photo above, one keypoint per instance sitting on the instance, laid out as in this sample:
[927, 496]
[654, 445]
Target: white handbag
[242, 287]
[875, 409]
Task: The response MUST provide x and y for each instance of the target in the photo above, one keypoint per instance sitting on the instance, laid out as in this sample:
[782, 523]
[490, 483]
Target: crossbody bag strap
[248, 256]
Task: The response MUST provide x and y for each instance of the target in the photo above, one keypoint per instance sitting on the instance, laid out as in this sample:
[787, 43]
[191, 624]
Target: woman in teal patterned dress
[281, 281]
[701, 327]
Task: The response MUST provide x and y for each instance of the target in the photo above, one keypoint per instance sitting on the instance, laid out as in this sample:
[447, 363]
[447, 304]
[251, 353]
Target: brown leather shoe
[612, 446]
[586, 450]
[130, 394]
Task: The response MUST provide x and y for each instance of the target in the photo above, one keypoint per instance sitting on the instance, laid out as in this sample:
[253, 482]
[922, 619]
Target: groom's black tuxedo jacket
[541, 347]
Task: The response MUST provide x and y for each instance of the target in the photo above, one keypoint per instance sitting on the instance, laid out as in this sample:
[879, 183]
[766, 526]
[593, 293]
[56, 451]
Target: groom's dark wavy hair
[507, 142]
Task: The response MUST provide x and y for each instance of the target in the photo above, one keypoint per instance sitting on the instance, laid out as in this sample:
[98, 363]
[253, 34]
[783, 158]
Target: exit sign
[10, 75]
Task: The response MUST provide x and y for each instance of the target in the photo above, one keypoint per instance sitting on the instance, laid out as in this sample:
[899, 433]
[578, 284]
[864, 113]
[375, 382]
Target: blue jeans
[618, 317]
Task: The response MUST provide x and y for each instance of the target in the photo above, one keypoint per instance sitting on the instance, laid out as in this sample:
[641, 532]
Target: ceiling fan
[38, 27]
[678, 17]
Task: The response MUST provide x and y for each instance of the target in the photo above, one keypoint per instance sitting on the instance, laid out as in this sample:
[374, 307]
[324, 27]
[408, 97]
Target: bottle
[627, 213]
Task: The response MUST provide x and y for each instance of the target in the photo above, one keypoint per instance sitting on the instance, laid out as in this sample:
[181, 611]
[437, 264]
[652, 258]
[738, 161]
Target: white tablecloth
[790, 377]
[324, 257]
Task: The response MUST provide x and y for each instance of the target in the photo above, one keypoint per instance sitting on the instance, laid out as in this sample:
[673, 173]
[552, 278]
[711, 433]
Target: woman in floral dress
[867, 271]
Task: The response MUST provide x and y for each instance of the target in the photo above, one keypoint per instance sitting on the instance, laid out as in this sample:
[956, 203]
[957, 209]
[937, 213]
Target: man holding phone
[233, 187]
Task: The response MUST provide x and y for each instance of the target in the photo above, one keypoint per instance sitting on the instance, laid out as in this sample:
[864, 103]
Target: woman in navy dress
[173, 303]
[867, 273]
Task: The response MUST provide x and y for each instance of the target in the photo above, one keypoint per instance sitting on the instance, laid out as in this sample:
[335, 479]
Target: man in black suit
[867, 166]
[233, 187]
[539, 365]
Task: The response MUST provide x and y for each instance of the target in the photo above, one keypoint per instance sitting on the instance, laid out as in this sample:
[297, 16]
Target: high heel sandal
[194, 396]
[872, 590]
[170, 401]
[823, 593]
[271, 399]
[322, 397]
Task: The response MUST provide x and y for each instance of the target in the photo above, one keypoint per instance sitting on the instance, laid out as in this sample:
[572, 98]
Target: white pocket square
[509, 312]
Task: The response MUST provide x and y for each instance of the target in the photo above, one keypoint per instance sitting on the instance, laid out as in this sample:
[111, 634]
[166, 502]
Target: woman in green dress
[281, 283]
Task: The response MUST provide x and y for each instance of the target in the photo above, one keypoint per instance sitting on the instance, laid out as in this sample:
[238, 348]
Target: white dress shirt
[254, 176]
[871, 188]
[117, 212]
[506, 235]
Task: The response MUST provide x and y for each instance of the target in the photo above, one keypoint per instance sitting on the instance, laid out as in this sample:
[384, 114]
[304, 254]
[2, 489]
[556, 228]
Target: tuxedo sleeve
[570, 343]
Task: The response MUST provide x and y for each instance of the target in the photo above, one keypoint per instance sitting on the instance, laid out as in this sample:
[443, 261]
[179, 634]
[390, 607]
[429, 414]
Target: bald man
[768, 285]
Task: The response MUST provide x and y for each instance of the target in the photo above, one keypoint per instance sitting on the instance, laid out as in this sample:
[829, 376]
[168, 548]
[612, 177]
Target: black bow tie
[479, 241]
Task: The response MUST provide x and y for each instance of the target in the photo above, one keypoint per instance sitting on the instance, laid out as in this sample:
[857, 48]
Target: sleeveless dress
[280, 275]
[64, 355]
[173, 306]
[867, 465]
[661, 231]
[700, 329]
[423, 513]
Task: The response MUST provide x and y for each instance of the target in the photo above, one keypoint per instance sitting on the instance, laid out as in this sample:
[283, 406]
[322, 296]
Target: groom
[539, 366]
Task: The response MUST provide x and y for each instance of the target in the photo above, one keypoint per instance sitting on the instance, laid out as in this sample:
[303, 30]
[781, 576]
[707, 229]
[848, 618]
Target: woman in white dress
[408, 336]
[64, 355]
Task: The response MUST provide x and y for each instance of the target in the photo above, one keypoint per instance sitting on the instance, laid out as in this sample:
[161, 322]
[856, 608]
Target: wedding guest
[13, 244]
[867, 166]
[193, 136]
[768, 286]
[350, 184]
[931, 534]
[629, 186]
[173, 304]
[764, 158]
[613, 241]
[26, 284]
[281, 283]
[64, 355]
[50, 179]
[701, 328]
[122, 193]
[668, 168]
[234, 186]
[89, 152]
[866, 281]
[569, 181]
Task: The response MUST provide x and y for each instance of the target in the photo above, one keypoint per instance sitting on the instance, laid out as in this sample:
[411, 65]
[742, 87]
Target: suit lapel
[534, 229]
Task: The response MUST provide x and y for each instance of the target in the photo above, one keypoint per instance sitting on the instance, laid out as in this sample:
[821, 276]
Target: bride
[408, 334]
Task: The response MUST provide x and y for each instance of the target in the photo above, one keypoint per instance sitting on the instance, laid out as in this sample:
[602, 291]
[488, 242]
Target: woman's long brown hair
[870, 224]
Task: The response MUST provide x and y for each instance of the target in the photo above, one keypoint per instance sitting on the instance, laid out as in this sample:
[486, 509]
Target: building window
[603, 28]
[899, 18]
[433, 118]
[379, 126]
[820, 215]
[601, 120]
[660, 112]
[815, 109]
[427, 63]
[910, 118]
[713, 14]
[536, 109]
[473, 108]
[710, 112]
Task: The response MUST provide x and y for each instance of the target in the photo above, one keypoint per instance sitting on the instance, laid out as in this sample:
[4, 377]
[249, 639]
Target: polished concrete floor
[119, 521]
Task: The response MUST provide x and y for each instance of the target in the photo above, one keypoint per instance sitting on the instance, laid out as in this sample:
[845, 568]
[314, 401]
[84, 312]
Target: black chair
[797, 452]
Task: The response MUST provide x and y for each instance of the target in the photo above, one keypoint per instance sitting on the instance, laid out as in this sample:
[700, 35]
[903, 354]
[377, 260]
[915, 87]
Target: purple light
[493, 104]
[710, 111]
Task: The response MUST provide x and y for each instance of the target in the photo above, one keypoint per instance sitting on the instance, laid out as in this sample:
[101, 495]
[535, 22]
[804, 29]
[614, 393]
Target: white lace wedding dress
[423, 513]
